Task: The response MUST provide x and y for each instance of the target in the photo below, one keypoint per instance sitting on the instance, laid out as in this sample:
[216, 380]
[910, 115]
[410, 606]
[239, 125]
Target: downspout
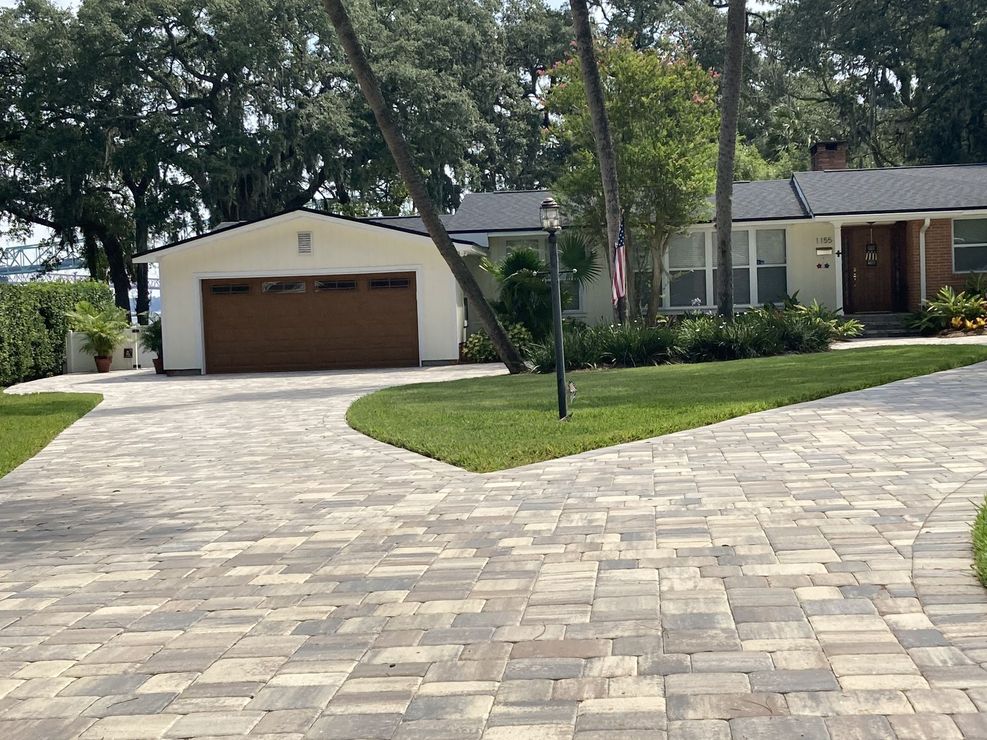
[921, 259]
[838, 265]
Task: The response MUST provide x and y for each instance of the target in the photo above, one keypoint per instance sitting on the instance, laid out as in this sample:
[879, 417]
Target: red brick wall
[824, 158]
[939, 258]
[910, 265]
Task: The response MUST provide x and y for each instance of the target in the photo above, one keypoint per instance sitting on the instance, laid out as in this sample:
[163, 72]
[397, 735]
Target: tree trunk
[659, 244]
[140, 270]
[412, 177]
[118, 269]
[601, 134]
[733, 69]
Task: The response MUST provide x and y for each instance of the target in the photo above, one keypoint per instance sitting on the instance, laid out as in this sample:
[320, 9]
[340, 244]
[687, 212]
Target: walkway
[223, 556]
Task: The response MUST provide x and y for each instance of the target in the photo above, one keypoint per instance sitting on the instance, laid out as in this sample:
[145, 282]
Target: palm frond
[579, 257]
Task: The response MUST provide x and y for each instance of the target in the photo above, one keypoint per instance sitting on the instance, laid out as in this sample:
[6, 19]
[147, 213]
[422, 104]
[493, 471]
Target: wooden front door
[265, 324]
[868, 287]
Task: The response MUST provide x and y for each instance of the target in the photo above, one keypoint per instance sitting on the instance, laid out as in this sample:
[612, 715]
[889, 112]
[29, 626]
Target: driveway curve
[222, 555]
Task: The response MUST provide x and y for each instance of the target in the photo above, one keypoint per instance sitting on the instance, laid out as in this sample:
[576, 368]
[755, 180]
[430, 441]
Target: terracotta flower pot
[103, 364]
[158, 365]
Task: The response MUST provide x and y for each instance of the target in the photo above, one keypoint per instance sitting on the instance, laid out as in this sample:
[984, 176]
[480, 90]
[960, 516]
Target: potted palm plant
[104, 330]
[152, 342]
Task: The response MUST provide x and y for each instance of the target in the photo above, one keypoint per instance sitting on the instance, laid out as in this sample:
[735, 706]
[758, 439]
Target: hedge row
[33, 326]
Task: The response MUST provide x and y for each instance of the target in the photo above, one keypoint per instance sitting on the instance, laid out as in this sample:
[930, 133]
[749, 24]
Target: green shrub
[949, 310]
[840, 328]
[33, 325]
[633, 345]
[976, 284]
[479, 348]
[151, 338]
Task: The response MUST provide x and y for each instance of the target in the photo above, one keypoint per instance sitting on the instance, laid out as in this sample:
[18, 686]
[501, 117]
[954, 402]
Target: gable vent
[304, 242]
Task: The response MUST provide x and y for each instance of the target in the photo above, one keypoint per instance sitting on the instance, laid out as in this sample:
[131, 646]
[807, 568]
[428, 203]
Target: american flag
[619, 278]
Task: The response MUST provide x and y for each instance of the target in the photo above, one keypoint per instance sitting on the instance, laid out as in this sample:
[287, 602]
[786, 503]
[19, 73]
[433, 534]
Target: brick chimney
[829, 155]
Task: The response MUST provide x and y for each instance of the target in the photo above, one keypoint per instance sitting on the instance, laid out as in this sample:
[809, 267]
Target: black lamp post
[551, 222]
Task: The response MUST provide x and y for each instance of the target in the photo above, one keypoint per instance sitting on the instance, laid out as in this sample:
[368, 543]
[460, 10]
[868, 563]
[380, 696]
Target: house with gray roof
[308, 289]
[866, 241]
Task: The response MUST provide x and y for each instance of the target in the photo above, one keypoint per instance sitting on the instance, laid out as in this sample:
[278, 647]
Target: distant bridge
[36, 259]
[46, 263]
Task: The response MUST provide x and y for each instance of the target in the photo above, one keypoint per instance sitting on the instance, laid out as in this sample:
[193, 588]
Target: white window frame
[952, 240]
[755, 266]
[709, 237]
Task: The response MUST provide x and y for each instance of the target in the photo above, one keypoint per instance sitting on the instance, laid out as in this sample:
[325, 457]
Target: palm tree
[733, 69]
[590, 71]
[398, 147]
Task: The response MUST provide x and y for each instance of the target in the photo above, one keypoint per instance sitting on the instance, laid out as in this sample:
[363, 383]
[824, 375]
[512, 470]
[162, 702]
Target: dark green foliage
[525, 291]
[698, 338]
[525, 295]
[630, 345]
[151, 336]
[949, 310]
[976, 284]
[479, 348]
[33, 326]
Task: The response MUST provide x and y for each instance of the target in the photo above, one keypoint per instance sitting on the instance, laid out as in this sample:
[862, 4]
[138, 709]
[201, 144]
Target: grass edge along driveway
[29, 422]
[494, 423]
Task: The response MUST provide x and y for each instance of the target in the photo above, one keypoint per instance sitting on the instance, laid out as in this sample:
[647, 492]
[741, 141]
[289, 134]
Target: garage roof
[151, 254]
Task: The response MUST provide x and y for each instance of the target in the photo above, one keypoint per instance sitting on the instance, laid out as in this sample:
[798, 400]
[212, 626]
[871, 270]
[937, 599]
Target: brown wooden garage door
[310, 323]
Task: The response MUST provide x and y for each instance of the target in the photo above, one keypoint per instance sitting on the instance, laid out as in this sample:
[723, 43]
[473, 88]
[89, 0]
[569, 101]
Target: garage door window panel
[238, 289]
[390, 283]
[283, 287]
[329, 286]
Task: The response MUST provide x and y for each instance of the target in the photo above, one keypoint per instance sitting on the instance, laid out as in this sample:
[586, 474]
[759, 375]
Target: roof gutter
[921, 258]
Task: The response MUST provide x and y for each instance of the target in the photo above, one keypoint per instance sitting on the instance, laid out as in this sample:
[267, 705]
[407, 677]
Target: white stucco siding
[807, 271]
[338, 247]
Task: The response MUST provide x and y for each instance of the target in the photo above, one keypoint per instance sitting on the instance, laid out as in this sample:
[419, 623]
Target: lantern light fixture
[870, 251]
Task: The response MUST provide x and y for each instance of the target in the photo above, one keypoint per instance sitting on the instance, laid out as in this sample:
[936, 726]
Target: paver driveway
[222, 555]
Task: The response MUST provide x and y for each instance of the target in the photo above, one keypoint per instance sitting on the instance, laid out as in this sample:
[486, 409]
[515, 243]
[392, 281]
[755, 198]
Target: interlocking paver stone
[224, 555]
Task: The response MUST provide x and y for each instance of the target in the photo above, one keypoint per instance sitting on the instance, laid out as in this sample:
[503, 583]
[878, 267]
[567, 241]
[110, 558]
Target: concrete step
[882, 324]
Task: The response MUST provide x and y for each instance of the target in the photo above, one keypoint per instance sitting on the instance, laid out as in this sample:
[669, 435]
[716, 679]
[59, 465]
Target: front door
[869, 278]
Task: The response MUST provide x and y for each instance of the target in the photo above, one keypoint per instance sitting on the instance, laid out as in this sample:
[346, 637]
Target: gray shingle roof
[827, 193]
[897, 189]
[505, 210]
[766, 200]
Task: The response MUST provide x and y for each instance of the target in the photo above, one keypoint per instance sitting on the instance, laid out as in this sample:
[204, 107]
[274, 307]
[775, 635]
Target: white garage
[306, 290]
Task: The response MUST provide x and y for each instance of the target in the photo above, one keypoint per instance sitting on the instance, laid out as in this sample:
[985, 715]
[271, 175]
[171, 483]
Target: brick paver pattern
[224, 556]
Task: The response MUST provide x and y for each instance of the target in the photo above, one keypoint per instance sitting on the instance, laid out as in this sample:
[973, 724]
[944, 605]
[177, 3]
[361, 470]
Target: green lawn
[485, 424]
[980, 543]
[28, 423]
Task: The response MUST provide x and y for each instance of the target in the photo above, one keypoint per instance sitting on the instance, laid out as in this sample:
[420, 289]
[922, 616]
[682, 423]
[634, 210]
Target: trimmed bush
[33, 326]
[479, 348]
[761, 332]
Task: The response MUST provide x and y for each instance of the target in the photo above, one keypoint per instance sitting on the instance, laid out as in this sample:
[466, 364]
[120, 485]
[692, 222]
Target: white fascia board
[866, 218]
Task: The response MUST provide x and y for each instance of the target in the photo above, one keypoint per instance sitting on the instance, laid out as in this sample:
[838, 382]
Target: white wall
[804, 275]
[270, 248]
[77, 361]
